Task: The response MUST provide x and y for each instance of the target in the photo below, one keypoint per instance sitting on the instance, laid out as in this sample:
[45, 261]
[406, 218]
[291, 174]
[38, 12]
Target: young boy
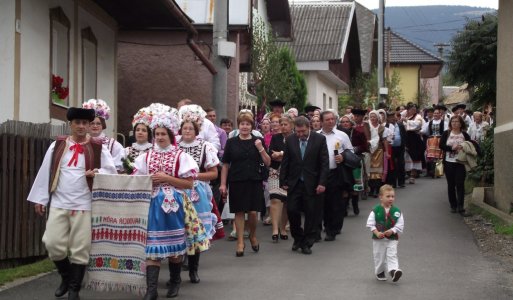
[386, 222]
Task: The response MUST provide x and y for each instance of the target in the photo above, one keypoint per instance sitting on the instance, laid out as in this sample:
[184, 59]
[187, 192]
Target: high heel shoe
[240, 253]
[275, 238]
[284, 236]
[256, 247]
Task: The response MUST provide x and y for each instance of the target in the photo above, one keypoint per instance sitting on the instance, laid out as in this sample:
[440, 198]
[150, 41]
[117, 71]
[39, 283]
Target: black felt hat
[80, 113]
[310, 108]
[358, 111]
[277, 102]
[458, 106]
[441, 106]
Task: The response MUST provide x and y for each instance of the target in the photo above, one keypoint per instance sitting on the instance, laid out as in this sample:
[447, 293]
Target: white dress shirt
[336, 140]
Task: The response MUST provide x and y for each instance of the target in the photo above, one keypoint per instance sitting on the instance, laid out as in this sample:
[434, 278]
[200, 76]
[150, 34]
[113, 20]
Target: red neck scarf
[77, 149]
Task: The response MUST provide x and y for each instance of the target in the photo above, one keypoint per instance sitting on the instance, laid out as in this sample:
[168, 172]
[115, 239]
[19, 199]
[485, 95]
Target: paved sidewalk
[437, 253]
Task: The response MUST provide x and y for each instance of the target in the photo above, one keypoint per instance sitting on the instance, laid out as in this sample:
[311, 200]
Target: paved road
[437, 253]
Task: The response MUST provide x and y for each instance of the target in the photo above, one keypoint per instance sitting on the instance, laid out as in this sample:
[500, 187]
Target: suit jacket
[314, 166]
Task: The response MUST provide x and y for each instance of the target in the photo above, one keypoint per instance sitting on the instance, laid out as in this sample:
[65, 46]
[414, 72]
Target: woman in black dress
[242, 174]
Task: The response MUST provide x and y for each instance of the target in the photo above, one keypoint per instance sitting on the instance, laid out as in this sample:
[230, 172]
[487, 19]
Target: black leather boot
[176, 280]
[63, 267]
[75, 281]
[193, 268]
[354, 203]
[152, 280]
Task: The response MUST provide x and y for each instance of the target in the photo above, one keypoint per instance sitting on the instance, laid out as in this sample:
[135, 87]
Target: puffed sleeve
[211, 159]
[188, 166]
[118, 153]
[39, 193]
[107, 163]
[140, 165]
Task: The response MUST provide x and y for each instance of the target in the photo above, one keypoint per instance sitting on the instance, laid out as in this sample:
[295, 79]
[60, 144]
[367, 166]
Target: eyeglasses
[95, 124]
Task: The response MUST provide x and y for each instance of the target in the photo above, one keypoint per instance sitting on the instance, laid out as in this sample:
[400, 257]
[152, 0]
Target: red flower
[99, 262]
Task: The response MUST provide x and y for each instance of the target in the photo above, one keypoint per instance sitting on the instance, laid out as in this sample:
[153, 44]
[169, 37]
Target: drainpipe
[192, 34]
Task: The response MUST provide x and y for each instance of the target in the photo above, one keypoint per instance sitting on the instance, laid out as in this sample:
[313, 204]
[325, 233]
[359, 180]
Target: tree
[274, 70]
[474, 59]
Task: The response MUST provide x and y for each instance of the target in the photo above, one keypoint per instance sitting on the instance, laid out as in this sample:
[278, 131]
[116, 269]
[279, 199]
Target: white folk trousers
[68, 232]
[385, 255]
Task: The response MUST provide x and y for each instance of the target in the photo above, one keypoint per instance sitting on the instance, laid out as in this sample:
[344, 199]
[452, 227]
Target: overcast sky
[371, 4]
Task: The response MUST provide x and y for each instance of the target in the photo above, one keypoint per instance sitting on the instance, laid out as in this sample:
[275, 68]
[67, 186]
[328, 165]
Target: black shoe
[295, 246]
[306, 250]
[240, 253]
[284, 236]
[463, 213]
[329, 238]
[356, 211]
[381, 276]
[274, 238]
[256, 247]
[453, 210]
[402, 186]
[318, 238]
[63, 267]
[396, 274]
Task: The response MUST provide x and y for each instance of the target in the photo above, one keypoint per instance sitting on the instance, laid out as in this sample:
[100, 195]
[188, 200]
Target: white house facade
[55, 54]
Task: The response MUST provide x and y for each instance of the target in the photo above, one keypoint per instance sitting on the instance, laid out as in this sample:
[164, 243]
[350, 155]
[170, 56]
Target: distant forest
[429, 25]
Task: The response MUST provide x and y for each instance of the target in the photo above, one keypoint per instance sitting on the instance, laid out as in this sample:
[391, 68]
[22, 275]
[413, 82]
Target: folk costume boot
[75, 281]
[354, 203]
[152, 280]
[63, 267]
[193, 268]
[176, 280]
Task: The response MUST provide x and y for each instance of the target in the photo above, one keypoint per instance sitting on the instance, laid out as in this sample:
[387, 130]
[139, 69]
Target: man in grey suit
[304, 173]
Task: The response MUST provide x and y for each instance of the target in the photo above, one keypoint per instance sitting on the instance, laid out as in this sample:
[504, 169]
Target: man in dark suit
[396, 176]
[304, 174]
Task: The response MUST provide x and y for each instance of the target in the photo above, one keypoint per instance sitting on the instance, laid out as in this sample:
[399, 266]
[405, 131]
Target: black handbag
[351, 160]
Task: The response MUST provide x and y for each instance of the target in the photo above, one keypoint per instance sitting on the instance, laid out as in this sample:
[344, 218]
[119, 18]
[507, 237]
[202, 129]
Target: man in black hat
[459, 109]
[66, 177]
[277, 106]
[310, 109]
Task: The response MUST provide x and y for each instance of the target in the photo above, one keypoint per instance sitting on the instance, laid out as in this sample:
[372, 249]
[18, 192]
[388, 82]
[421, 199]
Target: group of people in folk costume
[313, 163]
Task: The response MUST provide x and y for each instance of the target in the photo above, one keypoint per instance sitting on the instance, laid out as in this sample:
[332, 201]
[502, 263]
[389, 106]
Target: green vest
[386, 221]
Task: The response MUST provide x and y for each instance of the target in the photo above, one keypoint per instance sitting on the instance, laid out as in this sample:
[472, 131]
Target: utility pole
[381, 25]
[440, 47]
[220, 82]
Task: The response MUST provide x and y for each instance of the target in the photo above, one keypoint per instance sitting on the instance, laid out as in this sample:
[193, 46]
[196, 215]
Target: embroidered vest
[436, 129]
[198, 152]
[92, 156]
[386, 221]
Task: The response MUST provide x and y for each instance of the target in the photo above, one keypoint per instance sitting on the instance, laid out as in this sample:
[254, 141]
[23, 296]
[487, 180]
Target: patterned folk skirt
[275, 191]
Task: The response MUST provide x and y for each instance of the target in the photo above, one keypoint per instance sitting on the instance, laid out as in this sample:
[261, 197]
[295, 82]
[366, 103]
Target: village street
[437, 253]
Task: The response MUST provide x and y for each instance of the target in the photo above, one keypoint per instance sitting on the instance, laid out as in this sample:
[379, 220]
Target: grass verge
[43, 266]
[499, 226]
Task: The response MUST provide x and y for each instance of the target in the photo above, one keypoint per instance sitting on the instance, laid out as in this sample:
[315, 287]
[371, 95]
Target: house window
[89, 64]
[59, 63]
[331, 102]
[323, 101]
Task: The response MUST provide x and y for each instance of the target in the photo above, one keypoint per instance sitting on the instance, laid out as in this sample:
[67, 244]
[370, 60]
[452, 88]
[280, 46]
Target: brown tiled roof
[405, 51]
[321, 30]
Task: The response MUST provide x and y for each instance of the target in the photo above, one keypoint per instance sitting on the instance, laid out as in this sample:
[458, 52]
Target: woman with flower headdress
[173, 225]
[141, 126]
[98, 125]
[205, 155]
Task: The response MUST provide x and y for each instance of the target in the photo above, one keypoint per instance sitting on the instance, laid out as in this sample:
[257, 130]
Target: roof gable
[321, 30]
[405, 51]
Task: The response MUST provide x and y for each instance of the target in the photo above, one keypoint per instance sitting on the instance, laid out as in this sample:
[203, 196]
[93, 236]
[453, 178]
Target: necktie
[302, 147]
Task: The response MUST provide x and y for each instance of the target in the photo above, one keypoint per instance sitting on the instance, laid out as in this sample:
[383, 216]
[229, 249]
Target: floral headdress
[143, 116]
[163, 116]
[193, 113]
[100, 107]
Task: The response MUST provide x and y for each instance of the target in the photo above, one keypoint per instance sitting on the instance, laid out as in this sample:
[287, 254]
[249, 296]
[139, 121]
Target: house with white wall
[72, 39]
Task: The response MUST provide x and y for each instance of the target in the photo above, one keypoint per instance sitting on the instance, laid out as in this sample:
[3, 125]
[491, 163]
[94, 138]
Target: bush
[484, 172]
